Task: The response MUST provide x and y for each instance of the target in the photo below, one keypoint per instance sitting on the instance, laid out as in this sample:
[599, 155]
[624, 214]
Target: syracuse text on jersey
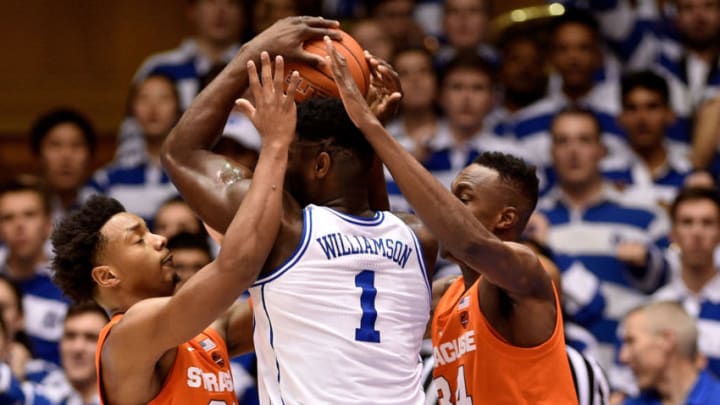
[337, 245]
[453, 350]
[212, 382]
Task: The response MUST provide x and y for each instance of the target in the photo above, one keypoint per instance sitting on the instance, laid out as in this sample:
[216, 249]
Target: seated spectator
[64, 142]
[658, 166]
[395, 18]
[190, 253]
[16, 351]
[12, 389]
[576, 55]
[143, 187]
[523, 79]
[76, 382]
[466, 97]
[25, 227]
[660, 346]
[465, 25]
[370, 35]
[216, 26]
[695, 215]
[681, 45]
[174, 216]
[619, 245]
[419, 118]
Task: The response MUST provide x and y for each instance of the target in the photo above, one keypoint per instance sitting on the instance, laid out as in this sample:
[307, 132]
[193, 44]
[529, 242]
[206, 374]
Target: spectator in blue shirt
[660, 346]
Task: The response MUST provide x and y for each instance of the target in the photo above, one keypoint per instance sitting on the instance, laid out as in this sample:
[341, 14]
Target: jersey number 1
[365, 280]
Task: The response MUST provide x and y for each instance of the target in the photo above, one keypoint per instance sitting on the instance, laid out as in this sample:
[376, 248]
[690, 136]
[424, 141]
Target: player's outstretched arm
[510, 266]
[158, 325]
[211, 184]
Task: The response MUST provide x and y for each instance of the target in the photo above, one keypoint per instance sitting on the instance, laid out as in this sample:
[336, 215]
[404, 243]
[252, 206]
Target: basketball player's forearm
[202, 123]
[441, 212]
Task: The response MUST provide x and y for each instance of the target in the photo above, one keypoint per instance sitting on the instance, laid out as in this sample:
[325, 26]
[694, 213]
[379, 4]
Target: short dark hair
[645, 79]
[578, 17]
[692, 194]
[516, 173]
[76, 241]
[86, 307]
[322, 119]
[32, 184]
[187, 240]
[467, 60]
[573, 109]
[49, 120]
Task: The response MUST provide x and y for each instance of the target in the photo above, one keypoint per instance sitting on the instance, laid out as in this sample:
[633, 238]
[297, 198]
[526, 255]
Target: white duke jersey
[342, 320]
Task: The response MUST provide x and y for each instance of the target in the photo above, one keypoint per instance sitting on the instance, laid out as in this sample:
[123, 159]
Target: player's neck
[352, 203]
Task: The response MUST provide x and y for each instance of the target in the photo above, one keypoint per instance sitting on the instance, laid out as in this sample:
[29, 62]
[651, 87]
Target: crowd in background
[615, 102]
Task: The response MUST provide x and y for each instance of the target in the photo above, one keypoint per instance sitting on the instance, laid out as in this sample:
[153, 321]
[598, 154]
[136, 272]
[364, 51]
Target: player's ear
[104, 276]
[508, 218]
[322, 165]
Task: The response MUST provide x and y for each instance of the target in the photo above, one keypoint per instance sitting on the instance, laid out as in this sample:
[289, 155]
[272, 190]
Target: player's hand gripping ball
[318, 81]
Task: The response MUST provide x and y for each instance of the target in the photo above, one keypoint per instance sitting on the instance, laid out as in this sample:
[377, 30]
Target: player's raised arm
[160, 324]
[209, 183]
[510, 266]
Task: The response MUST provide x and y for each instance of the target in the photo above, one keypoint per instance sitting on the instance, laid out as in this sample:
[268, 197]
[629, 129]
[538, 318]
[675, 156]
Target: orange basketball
[319, 81]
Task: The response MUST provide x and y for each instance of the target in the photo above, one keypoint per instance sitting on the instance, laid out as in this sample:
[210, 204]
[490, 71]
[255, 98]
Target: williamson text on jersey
[337, 245]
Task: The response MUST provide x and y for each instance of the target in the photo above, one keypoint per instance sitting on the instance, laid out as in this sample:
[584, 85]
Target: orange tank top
[475, 365]
[200, 375]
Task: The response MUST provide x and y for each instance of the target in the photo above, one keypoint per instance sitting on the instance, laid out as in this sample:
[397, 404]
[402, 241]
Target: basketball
[318, 82]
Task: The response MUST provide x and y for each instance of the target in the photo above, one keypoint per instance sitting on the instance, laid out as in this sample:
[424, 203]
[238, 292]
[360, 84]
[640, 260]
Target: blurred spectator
[396, 21]
[190, 253]
[16, 352]
[576, 55]
[174, 216]
[657, 167]
[695, 217]
[370, 35]
[12, 389]
[466, 97]
[465, 25]
[25, 226]
[418, 121]
[619, 245]
[683, 45]
[76, 382]
[64, 142]
[660, 346]
[143, 186]
[523, 79]
[217, 25]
